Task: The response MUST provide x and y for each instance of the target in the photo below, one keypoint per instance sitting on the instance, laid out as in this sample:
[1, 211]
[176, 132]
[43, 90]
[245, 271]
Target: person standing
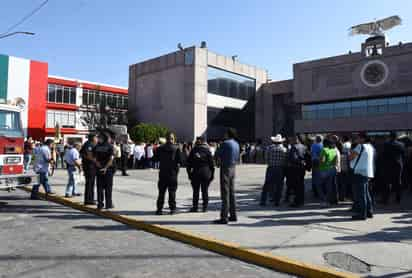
[138, 156]
[117, 156]
[103, 153]
[327, 167]
[297, 167]
[394, 153]
[316, 149]
[60, 153]
[200, 169]
[170, 159]
[228, 154]
[276, 158]
[28, 152]
[362, 165]
[125, 153]
[89, 168]
[149, 156]
[42, 161]
[72, 158]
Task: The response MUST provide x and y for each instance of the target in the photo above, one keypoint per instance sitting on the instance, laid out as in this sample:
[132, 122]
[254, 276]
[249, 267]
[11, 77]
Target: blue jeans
[326, 184]
[315, 181]
[43, 180]
[363, 197]
[27, 161]
[71, 185]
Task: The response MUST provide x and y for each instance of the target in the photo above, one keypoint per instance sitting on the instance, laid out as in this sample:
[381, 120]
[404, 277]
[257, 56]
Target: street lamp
[16, 33]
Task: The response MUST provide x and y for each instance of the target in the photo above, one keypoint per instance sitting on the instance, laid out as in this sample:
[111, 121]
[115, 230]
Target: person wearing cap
[42, 161]
[276, 158]
[170, 160]
[103, 154]
[200, 169]
[228, 154]
[89, 168]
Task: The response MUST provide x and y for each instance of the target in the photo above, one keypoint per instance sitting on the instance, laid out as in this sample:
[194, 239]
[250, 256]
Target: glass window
[66, 95]
[97, 97]
[85, 97]
[342, 110]
[72, 95]
[59, 94]
[91, 97]
[228, 84]
[397, 105]
[51, 95]
[126, 104]
[359, 107]
[377, 106]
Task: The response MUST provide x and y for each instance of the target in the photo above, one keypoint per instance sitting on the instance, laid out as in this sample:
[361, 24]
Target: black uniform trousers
[227, 192]
[125, 160]
[167, 184]
[90, 180]
[201, 181]
[297, 183]
[393, 176]
[104, 188]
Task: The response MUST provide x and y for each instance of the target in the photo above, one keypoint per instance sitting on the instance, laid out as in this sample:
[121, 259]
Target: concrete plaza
[377, 247]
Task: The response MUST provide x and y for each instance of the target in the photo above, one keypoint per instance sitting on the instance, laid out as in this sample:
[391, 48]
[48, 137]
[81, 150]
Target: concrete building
[197, 92]
[366, 91]
[52, 100]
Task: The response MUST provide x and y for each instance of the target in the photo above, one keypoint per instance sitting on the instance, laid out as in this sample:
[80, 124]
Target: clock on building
[374, 73]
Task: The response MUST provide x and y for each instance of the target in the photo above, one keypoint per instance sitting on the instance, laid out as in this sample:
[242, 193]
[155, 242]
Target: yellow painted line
[264, 259]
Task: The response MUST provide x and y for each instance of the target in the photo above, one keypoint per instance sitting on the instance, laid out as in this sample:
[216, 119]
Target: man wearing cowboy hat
[276, 158]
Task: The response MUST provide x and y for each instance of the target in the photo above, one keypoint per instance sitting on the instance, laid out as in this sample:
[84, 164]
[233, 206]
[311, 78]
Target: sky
[97, 40]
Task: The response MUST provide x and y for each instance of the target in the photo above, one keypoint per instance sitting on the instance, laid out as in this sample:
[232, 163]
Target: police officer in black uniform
[103, 153]
[200, 169]
[170, 159]
[89, 168]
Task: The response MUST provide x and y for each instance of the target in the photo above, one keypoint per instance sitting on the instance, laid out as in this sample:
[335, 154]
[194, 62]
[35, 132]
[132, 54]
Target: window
[229, 84]
[61, 94]
[51, 94]
[63, 118]
[397, 105]
[357, 108]
[85, 97]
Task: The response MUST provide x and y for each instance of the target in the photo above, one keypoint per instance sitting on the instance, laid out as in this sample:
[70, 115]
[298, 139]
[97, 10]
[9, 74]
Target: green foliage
[147, 132]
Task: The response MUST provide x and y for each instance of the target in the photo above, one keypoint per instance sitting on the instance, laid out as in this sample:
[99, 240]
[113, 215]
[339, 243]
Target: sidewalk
[306, 234]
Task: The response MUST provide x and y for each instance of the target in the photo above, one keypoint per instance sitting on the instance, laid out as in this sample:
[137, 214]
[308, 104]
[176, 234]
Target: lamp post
[16, 33]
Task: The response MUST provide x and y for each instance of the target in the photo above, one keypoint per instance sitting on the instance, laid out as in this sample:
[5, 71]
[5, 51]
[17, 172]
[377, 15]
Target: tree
[146, 132]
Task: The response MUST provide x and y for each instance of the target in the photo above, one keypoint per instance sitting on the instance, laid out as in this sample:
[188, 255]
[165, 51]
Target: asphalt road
[43, 239]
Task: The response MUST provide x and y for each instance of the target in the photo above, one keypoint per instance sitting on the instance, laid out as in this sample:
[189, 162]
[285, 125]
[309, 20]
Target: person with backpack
[297, 165]
[200, 169]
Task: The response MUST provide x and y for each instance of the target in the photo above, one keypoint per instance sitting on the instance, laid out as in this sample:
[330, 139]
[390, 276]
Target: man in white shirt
[139, 155]
[362, 164]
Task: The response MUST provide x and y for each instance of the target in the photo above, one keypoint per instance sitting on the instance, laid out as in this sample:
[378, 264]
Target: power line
[26, 17]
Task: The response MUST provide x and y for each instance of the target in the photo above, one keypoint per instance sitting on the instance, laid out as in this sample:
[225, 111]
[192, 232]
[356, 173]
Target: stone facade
[172, 90]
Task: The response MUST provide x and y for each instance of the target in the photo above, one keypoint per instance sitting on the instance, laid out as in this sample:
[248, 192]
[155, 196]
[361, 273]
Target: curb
[259, 258]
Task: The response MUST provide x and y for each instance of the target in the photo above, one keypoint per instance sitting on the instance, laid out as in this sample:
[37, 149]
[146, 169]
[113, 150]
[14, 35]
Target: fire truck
[12, 172]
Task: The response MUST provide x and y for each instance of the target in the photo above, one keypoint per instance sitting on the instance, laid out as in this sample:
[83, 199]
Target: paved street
[309, 234]
[43, 239]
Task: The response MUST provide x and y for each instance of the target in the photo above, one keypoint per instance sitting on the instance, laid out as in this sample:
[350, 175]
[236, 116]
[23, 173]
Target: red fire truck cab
[11, 148]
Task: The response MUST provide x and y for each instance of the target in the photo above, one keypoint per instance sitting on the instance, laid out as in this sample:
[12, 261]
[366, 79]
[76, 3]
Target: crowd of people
[354, 168]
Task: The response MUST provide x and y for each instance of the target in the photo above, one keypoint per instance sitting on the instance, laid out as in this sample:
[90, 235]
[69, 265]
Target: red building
[52, 100]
